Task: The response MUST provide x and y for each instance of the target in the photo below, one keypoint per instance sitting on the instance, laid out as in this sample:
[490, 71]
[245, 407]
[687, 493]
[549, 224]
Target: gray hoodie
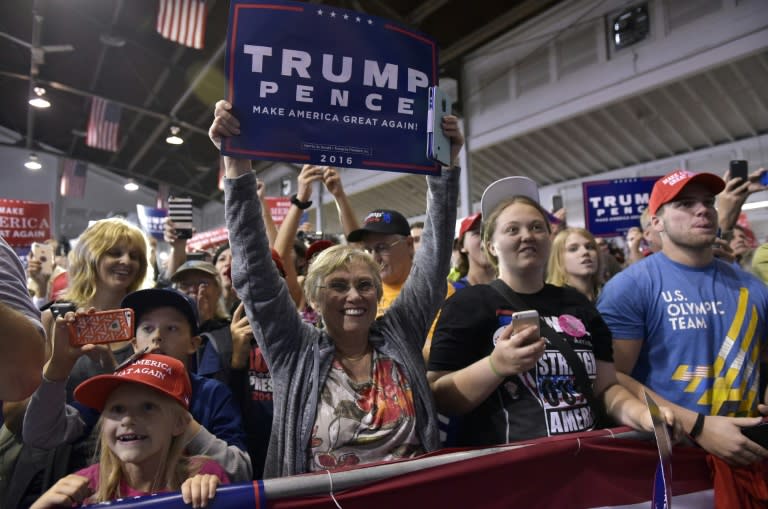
[299, 355]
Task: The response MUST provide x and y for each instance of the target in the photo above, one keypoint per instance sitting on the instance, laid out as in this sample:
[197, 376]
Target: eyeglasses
[382, 248]
[186, 286]
[364, 287]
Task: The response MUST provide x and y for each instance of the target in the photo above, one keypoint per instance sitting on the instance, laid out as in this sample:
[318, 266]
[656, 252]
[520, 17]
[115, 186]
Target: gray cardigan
[299, 355]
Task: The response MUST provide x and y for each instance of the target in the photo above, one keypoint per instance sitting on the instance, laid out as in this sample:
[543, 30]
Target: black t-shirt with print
[542, 401]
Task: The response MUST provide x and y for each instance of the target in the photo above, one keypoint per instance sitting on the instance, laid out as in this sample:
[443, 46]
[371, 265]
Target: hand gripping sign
[320, 85]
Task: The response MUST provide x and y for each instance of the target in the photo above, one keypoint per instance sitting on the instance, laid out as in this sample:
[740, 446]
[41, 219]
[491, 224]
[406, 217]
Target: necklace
[355, 358]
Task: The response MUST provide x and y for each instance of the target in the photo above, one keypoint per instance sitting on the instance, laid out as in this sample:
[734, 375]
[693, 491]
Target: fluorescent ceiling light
[38, 101]
[33, 163]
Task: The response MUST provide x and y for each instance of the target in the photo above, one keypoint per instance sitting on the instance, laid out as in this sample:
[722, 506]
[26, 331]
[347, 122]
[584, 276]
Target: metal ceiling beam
[728, 98]
[37, 21]
[618, 145]
[691, 122]
[424, 10]
[138, 109]
[559, 143]
[163, 126]
[588, 146]
[702, 102]
[558, 164]
[663, 119]
[492, 29]
[747, 84]
[651, 133]
[631, 139]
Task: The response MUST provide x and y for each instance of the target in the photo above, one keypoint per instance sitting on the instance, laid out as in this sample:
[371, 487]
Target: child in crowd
[166, 323]
[144, 415]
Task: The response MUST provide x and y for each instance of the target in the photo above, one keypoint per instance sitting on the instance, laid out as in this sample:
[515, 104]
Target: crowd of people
[272, 357]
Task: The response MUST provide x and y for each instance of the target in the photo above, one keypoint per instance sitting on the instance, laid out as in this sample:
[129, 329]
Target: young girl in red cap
[144, 413]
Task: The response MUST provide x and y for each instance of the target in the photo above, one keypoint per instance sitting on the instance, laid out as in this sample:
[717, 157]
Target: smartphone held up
[180, 212]
[739, 169]
[109, 326]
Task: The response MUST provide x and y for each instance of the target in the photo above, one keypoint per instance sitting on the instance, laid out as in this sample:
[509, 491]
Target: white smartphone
[44, 254]
[438, 144]
[524, 319]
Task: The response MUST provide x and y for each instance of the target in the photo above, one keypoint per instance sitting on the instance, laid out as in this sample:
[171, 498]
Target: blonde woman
[109, 262]
[574, 261]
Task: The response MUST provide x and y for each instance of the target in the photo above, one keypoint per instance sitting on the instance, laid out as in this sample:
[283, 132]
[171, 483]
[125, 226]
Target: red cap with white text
[160, 372]
[669, 186]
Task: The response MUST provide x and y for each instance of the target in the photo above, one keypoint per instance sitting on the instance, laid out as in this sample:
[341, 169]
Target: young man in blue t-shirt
[689, 326]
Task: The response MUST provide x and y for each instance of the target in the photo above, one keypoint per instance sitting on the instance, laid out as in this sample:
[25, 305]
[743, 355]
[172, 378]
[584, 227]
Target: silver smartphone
[524, 319]
[438, 144]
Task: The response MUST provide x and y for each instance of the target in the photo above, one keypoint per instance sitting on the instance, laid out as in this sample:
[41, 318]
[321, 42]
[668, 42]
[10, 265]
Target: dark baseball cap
[381, 221]
[143, 301]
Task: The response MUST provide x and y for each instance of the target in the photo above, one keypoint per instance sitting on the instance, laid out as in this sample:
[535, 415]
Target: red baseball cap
[317, 247]
[469, 222]
[669, 186]
[160, 372]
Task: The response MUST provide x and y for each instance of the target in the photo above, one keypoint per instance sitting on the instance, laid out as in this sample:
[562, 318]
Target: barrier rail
[597, 469]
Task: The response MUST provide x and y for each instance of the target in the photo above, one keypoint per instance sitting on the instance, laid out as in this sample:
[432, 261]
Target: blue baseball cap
[143, 301]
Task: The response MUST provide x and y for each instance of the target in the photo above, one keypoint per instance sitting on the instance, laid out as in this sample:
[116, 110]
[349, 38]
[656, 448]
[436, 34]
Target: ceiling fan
[37, 51]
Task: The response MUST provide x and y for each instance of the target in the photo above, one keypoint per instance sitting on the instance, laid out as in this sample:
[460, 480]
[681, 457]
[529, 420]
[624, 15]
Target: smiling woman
[353, 392]
[109, 262]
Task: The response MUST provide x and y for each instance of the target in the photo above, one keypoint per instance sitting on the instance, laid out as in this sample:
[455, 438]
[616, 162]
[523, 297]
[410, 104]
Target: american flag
[103, 125]
[73, 174]
[182, 21]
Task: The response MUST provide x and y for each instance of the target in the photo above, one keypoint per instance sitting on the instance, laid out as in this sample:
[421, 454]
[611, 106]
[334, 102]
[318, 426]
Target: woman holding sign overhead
[354, 392]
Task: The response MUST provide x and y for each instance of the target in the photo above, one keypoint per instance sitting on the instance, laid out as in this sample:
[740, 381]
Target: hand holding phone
[522, 320]
[758, 434]
[100, 327]
[739, 169]
[438, 144]
[180, 212]
[43, 253]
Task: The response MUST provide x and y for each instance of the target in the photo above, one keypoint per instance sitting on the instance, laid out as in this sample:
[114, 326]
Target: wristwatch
[303, 205]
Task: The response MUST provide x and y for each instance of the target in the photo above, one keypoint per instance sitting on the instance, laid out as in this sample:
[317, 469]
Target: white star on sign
[333, 14]
[319, 12]
[370, 22]
[346, 16]
[357, 19]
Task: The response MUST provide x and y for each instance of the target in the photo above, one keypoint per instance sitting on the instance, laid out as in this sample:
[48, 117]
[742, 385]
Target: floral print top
[364, 422]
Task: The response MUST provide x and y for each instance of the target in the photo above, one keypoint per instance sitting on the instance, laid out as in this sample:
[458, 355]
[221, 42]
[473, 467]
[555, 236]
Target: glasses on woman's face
[193, 285]
[341, 287]
[382, 248]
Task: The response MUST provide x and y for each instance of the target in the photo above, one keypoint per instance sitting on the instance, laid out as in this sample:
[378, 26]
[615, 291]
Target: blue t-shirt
[702, 329]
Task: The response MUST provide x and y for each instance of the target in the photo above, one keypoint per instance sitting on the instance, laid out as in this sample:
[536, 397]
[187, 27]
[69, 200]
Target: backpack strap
[583, 383]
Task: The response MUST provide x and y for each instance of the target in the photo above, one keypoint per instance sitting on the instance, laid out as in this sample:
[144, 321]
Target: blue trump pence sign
[321, 85]
[611, 207]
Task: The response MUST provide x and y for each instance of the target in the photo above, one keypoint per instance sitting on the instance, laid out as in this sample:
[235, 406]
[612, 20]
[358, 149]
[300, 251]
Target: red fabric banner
[207, 239]
[278, 207]
[24, 222]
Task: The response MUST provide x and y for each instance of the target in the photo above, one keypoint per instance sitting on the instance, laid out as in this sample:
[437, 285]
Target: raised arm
[287, 233]
[332, 182]
[265, 295]
[178, 254]
[424, 291]
[269, 222]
